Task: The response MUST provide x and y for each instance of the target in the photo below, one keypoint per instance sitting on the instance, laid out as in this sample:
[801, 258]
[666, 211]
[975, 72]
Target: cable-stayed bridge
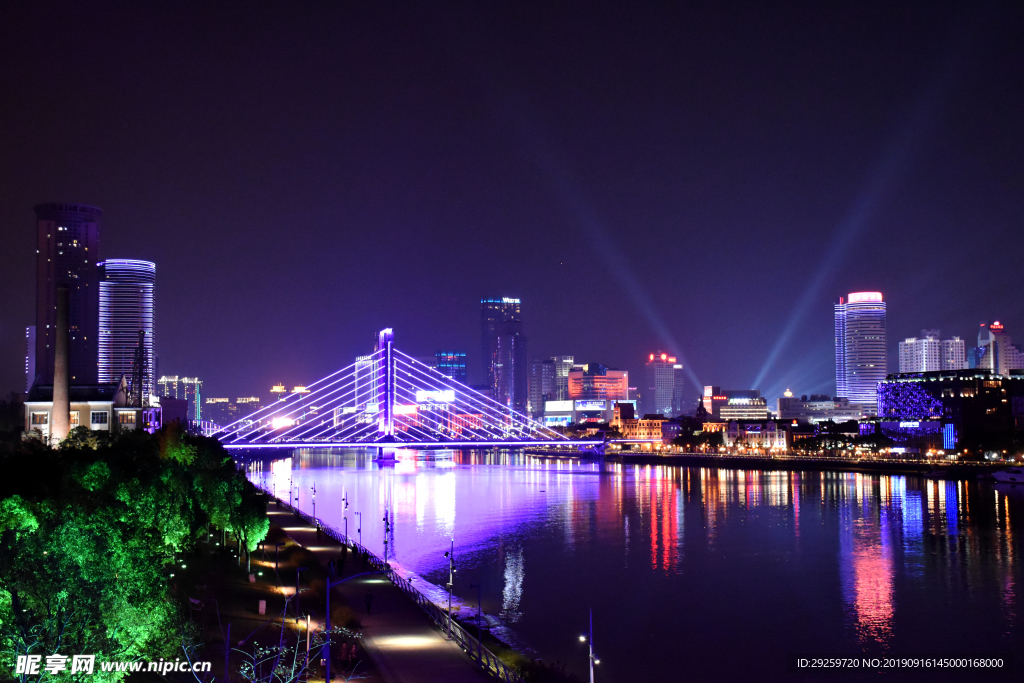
[389, 399]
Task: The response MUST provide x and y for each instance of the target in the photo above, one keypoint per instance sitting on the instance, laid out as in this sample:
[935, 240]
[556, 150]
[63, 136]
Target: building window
[100, 417]
[40, 419]
[74, 422]
[126, 418]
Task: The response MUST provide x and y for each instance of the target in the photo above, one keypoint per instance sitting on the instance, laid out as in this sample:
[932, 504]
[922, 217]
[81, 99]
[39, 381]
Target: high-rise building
[929, 353]
[510, 366]
[67, 250]
[452, 364]
[193, 388]
[734, 404]
[599, 383]
[126, 308]
[542, 384]
[563, 364]
[663, 384]
[30, 356]
[995, 352]
[170, 386]
[860, 348]
[493, 313]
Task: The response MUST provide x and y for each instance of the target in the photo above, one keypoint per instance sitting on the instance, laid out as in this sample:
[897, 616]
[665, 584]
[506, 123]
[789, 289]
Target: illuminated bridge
[389, 399]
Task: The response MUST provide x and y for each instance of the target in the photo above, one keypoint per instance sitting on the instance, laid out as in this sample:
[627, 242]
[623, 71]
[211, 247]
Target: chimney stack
[60, 423]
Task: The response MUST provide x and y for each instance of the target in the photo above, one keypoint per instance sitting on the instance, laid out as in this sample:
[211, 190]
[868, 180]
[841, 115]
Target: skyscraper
[542, 384]
[995, 351]
[563, 365]
[663, 383]
[494, 312]
[860, 348]
[452, 364]
[126, 308]
[929, 353]
[510, 366]
[67, 250]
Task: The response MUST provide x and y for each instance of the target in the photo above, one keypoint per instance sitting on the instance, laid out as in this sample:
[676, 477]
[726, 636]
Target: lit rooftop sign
[439, 396]
[862, 297]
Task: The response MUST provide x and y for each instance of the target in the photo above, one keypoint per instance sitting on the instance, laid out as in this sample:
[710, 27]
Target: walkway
[403, 642]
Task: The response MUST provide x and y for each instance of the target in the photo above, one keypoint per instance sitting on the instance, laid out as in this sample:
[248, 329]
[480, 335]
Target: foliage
[87, 532]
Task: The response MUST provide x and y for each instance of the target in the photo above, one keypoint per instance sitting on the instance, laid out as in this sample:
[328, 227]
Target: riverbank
[814, 464]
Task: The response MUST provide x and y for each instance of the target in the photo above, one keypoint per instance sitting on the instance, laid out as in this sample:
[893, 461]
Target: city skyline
[632, 198]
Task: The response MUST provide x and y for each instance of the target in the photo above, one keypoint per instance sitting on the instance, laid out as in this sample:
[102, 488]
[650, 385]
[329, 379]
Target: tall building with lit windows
[126, 308]
[860, 348]
[452, 364]
[494, 312]
[505, 366]
[67, 250]
[663, 385]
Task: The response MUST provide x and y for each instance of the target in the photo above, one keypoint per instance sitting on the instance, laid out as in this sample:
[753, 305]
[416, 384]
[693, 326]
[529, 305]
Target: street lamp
[314, 505]
[590, 640]
[450, 555]
[387, 527]
[359, 528]
[330, 585]
[344, 512]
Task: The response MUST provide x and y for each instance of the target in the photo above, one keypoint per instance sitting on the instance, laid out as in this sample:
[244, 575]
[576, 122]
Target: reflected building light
[512, 592]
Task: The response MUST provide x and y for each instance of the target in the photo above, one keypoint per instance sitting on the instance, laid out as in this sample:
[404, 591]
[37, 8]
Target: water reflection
[836, 562]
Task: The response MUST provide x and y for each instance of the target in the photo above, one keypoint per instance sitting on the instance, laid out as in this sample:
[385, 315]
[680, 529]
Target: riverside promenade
[403, 642]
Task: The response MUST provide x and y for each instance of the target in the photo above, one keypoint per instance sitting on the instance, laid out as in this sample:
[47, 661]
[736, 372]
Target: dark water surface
[693, 573]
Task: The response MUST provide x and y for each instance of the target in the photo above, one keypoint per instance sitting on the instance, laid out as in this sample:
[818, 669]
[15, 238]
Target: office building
[597, 382]
[734, 404]
[494, 312]
[67, 250]
[169, 386]
[816, 408]
[860, 348]
[929, 353]
[510, 366]
[541, 384]
[193, 388]
[662, 391]
[30, 356]
[563, 365]
[995, 352]
[452, 364]
[126, 309]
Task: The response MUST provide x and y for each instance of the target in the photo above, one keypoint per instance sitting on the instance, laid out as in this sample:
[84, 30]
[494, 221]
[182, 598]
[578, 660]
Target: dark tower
[67, 251]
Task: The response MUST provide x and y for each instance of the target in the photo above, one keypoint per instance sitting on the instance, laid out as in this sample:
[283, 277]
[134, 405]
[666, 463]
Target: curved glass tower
[860, 348]
[126, 308]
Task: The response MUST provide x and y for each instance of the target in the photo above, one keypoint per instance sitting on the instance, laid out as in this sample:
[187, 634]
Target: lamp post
[344, 511]
[450, 554]
[359, 527]
[387, 527]
[590, 641]
[330, 585]
[314, 504]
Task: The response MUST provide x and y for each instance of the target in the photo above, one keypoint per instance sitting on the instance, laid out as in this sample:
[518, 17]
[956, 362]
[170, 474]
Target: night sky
[704, 180]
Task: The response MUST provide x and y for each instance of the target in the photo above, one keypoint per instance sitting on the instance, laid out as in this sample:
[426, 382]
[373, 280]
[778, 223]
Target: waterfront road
[400, 638]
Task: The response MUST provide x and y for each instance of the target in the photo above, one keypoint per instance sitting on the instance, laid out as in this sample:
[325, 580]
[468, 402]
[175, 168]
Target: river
[692, 573]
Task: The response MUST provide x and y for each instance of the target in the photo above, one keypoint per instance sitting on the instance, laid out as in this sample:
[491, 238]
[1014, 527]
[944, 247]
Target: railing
[486, 659]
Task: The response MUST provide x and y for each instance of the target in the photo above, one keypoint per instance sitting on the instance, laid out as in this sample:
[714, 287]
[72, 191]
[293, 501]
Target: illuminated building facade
[816, 409]
[193, 388]
[126, 308]
[995, 352]
[860, 348]
[972, 406]
[169, 386]
[563, 364]
[494, 312]
[541, 384]
[734, 404]
[30, 356]
[452, 364]
[662, 392]
[510, 367]
[67, 250]
[598, 382]
[929, 353]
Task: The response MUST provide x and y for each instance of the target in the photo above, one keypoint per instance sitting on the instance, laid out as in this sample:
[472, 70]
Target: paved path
[403, 642]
